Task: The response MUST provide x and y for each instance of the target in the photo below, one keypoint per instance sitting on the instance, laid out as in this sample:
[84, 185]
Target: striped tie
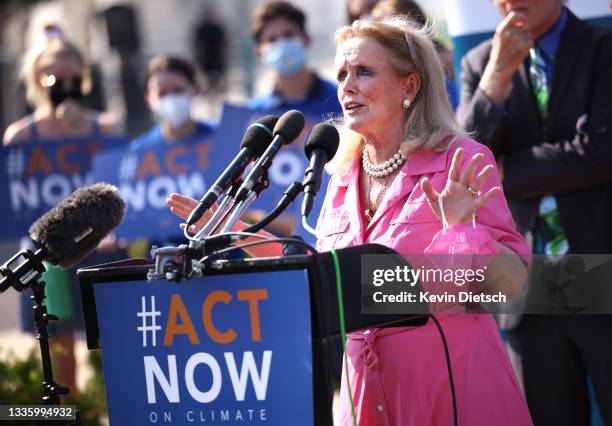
[549, 236]
[539, 81]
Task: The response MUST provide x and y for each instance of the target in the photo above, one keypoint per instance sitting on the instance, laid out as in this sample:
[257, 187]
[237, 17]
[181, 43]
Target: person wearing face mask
[279, 31]
[57, 78]
[170, 85]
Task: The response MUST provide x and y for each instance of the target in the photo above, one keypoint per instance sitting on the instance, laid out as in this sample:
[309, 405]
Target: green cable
[343, 329]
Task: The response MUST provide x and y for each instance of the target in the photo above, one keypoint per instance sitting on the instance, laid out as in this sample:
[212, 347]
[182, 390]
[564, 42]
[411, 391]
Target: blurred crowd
[67, 97]
[554, 160]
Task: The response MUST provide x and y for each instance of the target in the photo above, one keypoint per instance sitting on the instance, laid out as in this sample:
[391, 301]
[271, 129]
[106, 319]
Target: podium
[244, 344]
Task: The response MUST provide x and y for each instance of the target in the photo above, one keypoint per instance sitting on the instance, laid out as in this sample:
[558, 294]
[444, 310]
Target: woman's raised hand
[461, 196]
[182, 206]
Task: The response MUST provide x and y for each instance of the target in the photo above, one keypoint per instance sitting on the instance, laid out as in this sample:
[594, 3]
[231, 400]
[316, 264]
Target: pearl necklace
[384, 169]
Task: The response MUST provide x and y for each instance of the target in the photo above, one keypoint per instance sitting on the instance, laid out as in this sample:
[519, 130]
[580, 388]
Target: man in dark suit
[539, 94]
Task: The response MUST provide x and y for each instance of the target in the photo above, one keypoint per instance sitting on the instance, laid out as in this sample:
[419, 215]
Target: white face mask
[287, 55]
[174, 109]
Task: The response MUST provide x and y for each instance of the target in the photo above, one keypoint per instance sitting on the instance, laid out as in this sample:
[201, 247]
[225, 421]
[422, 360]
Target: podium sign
[231, 349]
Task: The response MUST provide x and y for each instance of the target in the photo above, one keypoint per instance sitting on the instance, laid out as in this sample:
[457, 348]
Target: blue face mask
[287, 55]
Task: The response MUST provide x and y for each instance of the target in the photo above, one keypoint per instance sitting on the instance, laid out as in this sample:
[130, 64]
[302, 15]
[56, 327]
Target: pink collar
[419, 162]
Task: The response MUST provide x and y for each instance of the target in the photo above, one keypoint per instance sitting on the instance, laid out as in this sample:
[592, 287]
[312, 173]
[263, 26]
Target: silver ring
[473, 191]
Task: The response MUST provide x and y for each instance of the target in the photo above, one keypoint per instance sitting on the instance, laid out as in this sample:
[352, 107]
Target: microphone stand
[238, 210]
[221, 211]
[289, 196]
[27, 274]
[168, 259]
[177, 263]
[214, 220]
[51, 390]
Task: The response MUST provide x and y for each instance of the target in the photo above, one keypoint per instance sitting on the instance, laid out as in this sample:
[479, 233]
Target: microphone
[288, 127]
[66, 234]
[254, 142]
[320, 147]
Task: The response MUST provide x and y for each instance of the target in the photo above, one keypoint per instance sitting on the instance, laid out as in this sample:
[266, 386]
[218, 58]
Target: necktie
[549, 236]
[539, 81]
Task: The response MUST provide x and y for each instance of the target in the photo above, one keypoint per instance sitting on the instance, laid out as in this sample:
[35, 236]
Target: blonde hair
[55, 46]
[429, 119]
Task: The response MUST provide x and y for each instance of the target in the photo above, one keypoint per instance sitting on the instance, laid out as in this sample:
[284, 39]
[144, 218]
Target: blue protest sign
[36, 177]
[148, 175]
[234, 349]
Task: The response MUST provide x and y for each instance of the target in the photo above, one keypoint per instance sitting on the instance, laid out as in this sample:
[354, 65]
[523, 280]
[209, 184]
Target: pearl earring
[406, 103]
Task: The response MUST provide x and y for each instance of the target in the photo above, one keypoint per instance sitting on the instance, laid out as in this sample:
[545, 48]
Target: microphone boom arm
[288, 197]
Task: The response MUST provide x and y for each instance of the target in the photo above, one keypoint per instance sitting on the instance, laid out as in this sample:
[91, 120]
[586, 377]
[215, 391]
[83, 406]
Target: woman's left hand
[461, 196]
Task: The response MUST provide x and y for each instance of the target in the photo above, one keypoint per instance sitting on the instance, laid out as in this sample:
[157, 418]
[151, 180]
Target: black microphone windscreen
[72, 229]
[289, 125]
[323, 136]
[259, 134]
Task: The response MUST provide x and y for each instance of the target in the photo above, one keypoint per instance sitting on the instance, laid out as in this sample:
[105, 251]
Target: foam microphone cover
[259, 135]
[323, 136]
[289, 125]
[72, 229]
